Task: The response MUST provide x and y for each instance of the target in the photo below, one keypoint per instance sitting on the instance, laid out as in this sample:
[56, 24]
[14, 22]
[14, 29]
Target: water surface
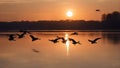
[19, 53]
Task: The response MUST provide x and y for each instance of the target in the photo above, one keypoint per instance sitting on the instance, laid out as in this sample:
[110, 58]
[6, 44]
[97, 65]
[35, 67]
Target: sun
[69, 13]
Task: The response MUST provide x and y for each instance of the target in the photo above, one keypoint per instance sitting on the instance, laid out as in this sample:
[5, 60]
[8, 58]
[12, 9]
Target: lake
[25, 53]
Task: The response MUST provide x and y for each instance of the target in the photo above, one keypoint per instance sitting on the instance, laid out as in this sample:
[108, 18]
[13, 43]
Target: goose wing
[89, 40]
[97, 39]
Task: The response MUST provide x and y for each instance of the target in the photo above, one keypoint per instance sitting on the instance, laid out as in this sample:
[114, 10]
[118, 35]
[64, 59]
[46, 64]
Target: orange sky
[12, 10]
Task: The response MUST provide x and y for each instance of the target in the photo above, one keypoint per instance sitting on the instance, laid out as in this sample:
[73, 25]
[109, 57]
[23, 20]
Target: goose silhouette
[98, 10]
[23, 34]
[62, 38]
[34, 38]
[54, 40]
[74, 33]
[94, 41]
[74, 42]
[11, 37]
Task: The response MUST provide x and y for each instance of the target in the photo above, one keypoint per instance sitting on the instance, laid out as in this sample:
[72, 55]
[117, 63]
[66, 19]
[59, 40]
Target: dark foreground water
[20, 54]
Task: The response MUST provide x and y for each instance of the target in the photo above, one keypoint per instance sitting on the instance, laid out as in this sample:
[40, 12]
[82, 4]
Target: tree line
[110, 21]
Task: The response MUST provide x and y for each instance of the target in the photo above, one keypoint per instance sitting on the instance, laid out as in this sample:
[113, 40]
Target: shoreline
[63, 30]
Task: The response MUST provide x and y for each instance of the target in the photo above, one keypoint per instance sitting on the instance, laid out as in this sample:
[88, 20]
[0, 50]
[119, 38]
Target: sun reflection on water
[67, 43]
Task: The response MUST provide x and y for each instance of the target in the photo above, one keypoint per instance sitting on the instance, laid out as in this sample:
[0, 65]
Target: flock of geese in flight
[56, 40]
[71, 39]
[12, 37]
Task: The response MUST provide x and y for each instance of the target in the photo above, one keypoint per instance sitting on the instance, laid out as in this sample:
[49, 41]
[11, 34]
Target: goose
[94, 41]
[74, 33]
[34, 38]
[98, 10]
[54, 40]
[74, 42]
[11, 37]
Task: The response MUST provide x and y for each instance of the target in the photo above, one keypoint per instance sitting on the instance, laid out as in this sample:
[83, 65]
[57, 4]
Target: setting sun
[69, 13]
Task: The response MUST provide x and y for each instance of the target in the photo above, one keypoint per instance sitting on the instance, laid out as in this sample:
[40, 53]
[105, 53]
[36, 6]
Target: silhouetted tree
[111, 18]
[104, 17]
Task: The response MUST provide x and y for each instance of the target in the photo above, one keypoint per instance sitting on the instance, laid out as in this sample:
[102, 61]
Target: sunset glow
[33, 10]
[59, 33]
